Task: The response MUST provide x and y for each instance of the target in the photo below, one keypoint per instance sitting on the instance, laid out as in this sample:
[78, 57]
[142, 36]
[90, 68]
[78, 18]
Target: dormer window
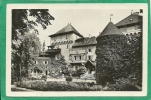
[131, 19]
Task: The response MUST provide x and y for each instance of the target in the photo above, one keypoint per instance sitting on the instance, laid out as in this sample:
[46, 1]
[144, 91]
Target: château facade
[79, 51]
[132, 24]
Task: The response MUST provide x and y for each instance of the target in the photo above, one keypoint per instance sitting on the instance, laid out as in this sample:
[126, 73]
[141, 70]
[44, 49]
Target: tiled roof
[86, 41]
[67, 29]
[93, 63]
[48, 58]
[131, 19]
[62, 42]
[110, 29]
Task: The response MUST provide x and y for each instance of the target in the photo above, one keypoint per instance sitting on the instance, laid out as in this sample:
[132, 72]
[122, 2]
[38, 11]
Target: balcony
[53, 50]
[77, 61]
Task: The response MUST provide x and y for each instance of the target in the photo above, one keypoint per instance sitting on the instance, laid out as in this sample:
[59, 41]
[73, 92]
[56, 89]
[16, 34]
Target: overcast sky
[85, 21]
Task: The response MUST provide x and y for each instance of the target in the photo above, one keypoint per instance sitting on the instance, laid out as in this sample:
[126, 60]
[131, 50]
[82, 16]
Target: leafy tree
[63, 64]
[25, 42]
[22, 23]
[135, 58]
[25, 47]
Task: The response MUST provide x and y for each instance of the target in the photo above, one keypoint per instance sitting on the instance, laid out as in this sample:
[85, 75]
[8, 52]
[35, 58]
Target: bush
[69, 78]
[44, 77]
[122, 85]
[59, 86]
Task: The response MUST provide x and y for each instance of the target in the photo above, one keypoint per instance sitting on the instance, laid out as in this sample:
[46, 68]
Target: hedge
[59, 86]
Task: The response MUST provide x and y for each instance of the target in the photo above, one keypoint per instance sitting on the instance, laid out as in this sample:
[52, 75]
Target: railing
[53, 50]
[77, 51]
[77, 61]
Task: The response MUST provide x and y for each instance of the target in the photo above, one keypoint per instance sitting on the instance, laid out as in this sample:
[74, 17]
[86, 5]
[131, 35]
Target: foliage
[123, 60]
[62, 63]
[69, 79]
[110, 51]
[122, 84]
[21, 21]
[135, 58]
[59, 86]
[25, 42]
[44, 77]
[81, 71]
[22, 52]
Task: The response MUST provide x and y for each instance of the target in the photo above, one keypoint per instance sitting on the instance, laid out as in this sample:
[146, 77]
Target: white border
[76, 6]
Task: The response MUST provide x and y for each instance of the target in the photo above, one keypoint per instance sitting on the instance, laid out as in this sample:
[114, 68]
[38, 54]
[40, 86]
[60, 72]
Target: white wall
[81, 49]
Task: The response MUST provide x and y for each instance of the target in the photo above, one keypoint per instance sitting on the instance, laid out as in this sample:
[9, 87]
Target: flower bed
[59, 86]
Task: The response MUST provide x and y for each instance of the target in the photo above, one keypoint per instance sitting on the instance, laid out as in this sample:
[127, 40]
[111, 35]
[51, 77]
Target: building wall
[64, 37]
[49, 64]
[39, 62]
[64, 47]
[83, 52]
[130, 29]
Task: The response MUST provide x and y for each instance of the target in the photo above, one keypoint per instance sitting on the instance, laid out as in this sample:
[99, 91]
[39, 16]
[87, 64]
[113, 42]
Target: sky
[85, 21]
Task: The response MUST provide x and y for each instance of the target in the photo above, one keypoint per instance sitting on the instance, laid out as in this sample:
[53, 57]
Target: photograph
[76, 50]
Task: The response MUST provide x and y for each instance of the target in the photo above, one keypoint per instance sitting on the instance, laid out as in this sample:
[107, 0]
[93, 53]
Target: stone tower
[110, 45]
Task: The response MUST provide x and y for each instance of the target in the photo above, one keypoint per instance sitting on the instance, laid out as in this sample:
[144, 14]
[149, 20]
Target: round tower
[109, 50]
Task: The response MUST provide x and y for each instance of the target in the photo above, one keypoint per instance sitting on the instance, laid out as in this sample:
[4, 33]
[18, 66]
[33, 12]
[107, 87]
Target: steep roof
[110, 29]
[86, 41]
[131, 19]
[67, 29]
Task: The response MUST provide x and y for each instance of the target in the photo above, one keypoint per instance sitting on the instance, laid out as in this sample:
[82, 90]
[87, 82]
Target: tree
[25, 47]
[25, 42]
[81, 71]
[22, 23]
[63, 64]
[135, 58]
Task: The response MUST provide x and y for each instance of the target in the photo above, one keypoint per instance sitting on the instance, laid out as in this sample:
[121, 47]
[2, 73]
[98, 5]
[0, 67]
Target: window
[89, 57]
[66, 36]
[45, 62]
[75, 57]
[57, 57]
[36, 62]
[83, 57]
[89, 49]
[79, 57]
[67, 46]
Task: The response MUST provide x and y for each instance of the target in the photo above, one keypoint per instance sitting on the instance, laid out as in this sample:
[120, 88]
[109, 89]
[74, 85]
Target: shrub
[122, 85]
[59, 86]
[44, 77]
[69, 79]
